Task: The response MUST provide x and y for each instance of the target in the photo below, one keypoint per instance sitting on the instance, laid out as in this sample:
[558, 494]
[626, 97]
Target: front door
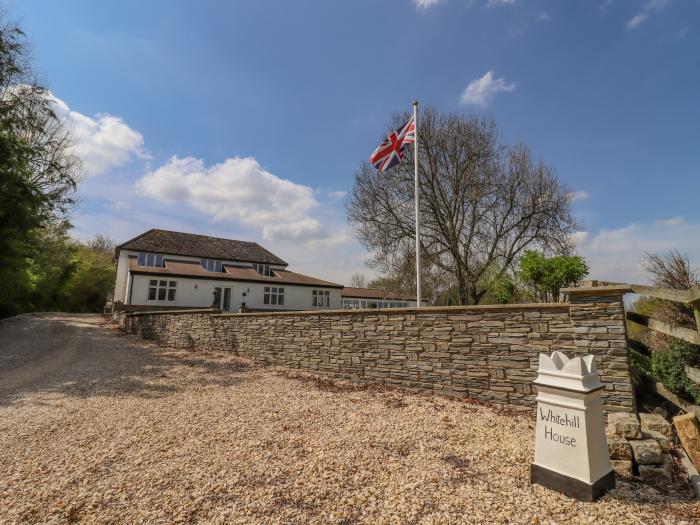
[227, 300]
[222, 298]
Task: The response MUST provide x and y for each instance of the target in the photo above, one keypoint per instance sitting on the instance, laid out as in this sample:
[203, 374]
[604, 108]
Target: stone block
[655, 422]
[658, 473]
[689, 436]
[622, 467]
[660, 438]
[623, 424]
[646, 451]
[619, 449]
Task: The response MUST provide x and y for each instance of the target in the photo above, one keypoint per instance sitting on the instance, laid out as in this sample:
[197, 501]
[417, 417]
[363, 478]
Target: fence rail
[690, 297]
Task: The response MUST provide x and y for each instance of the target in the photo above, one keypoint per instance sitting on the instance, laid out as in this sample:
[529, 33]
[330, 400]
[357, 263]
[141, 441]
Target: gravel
[122, 431]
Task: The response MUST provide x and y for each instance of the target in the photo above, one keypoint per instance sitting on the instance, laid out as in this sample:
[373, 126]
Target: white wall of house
[121, 288]
[192, 292]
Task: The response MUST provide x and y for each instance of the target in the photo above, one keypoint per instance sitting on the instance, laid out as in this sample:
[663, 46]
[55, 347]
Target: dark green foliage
[547, 275]
[92, 277]
[41, 267]
[503, 290]
[669, 368]
[640, 361]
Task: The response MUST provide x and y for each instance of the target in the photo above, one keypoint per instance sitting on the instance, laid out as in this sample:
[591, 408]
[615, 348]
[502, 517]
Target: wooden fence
[691, 298]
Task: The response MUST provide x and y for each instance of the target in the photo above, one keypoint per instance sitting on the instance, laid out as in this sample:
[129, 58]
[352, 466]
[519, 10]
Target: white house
[166, 269]
[162, 269]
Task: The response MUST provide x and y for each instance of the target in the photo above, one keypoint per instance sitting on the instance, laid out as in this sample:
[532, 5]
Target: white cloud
[480, 91]
[579, 195]
[302, 230]
[494, 3]
[646, 11]
[238, 189]
[543, 16]
[337, 194]
[102, 142]
[425, 4]
[616, 254]
[637, 20]
[673, 221]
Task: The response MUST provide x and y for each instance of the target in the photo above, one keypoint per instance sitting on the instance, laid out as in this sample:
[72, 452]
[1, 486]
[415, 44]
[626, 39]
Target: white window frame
[320, 298]
[166, 286]
[152, 260]
[273, 296]
[212, 265]
[264, 269]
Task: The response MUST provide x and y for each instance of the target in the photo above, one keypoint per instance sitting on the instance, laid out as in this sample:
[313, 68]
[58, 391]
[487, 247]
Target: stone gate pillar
[598, 316]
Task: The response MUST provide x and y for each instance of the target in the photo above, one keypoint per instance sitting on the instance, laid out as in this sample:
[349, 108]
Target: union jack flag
[390, 152]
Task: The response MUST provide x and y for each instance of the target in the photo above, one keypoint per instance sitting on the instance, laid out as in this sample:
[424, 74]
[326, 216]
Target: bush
[669, 368]
[547, 275]
[640, 361]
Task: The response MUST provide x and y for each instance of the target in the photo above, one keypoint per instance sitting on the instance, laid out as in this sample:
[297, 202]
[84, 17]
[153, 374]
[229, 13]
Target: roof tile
[192, 245]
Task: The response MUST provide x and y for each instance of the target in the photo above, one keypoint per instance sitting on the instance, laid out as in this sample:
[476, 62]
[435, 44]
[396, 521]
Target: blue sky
[248, 119]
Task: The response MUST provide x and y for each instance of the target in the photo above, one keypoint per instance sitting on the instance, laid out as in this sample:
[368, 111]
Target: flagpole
[417, 203]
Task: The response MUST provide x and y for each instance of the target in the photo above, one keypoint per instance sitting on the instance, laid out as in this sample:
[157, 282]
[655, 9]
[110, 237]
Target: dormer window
[151, 259]
[212, 265]
[264, 269]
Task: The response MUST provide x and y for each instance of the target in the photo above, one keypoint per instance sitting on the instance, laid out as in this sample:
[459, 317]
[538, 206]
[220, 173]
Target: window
[351, 303]
[320, 298]
[151, 259]
[161, 290]
[273, 296]
[264, 269]
[212, 265]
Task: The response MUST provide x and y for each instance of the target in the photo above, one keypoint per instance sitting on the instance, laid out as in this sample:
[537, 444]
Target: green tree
[93, 277]
[546, 276]
[38, 175]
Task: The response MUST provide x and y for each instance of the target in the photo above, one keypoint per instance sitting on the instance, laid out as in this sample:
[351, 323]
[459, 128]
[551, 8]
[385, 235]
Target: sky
[248, 119]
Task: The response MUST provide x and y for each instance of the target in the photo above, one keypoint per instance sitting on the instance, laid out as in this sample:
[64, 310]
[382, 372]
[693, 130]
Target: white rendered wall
[120, 286]
[199, 293]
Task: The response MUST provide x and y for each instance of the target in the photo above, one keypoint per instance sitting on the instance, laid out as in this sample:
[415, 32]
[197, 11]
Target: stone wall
[486, 352]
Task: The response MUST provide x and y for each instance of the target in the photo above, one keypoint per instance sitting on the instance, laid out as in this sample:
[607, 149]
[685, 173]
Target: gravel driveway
[100, 427]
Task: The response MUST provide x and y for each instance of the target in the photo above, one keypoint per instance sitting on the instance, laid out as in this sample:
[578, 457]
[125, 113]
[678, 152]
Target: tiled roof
[189, 244]
[368, 293]
[231, 273]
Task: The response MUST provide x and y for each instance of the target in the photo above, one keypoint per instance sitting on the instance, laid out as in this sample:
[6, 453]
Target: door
[227, 300]
[222, 298]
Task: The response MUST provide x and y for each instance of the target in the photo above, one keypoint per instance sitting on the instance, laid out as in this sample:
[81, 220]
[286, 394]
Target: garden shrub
[669, 368]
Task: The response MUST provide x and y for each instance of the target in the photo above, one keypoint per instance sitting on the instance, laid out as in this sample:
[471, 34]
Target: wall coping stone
[414, 309]
[597, 290]
[175, 312]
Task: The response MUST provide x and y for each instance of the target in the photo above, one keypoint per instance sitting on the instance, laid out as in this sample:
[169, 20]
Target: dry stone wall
[486, 352]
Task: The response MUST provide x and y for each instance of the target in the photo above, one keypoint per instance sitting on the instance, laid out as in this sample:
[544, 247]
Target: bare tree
[101, 244]
[482, 203]
[673, 270]
[358, 280]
